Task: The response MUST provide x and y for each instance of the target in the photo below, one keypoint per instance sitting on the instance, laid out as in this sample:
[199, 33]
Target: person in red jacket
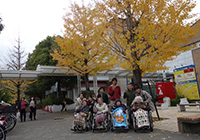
[114, 91]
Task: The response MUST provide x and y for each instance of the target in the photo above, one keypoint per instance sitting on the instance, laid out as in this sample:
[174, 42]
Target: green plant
[176, 101]
[40, 105]
[5, 96]
[47, 101]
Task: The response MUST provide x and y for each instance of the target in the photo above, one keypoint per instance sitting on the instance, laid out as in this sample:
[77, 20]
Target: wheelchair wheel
[150, 122]
[2, 134]
[112, 129]
[93, 125]
[106, 129]
[134, 123]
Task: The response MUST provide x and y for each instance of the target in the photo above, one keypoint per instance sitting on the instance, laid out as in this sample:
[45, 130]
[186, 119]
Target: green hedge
[52, 100]
[176, 101]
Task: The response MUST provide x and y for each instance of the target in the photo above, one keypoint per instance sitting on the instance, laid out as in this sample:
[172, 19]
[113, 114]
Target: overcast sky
[34, 20]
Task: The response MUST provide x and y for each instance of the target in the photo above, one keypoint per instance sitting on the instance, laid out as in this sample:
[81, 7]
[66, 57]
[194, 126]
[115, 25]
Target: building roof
[57, 71]
[196, 37]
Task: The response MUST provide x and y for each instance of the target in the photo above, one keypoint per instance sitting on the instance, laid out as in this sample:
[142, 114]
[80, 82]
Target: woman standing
[22, 108]
[33, 108]
[114, 91]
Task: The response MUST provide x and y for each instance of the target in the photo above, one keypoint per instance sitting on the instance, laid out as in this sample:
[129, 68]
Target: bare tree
[15, 62]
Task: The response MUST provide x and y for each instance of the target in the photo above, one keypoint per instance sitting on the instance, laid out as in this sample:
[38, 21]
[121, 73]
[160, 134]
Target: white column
[79, 84]
[95, 84]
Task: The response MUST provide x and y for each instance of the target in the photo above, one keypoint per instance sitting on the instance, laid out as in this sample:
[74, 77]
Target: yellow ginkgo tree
[81, 49]
[16, 88]
[144, 34]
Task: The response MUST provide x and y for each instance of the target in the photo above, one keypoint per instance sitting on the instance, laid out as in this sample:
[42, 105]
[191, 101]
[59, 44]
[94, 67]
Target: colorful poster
[186, 82]
[188, 90]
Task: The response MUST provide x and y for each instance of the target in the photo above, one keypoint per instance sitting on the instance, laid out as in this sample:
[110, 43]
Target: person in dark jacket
[83, 109]
[103, 95]
[91, 103]
[129, 95]
[22, 108]
[114, 91]
[81, 114]
[64, 103]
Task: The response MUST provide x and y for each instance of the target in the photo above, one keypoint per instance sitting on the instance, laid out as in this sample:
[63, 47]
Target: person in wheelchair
[101, 110]
[138, 103]
[118, 104]
[81, 116]
[119, 116]
[141, 114]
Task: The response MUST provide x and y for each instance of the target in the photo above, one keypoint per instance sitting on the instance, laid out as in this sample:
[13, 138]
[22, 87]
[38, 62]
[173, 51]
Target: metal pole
[153, 100]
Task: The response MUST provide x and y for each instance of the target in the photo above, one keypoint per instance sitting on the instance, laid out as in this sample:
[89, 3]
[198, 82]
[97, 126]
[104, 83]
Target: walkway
[56, 126]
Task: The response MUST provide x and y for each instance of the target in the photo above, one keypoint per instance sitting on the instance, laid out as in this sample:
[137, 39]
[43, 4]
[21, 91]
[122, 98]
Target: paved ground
[56, 126]
[171, 114]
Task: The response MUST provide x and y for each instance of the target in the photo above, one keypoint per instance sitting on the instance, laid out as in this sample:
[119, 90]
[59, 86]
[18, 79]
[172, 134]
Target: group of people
[25, 106]
[100, 104]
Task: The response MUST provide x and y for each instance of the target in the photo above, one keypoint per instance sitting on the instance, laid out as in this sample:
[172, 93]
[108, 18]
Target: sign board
[186, 82]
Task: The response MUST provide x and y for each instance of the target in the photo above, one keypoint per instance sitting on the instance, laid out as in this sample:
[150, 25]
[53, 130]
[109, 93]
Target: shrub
[53, 100]
[47, 101]
[176, 101]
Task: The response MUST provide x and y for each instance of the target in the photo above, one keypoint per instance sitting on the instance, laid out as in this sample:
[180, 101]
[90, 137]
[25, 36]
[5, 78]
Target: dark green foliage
[52, 99]
[5, 96]
[176, 101]
[41, 54]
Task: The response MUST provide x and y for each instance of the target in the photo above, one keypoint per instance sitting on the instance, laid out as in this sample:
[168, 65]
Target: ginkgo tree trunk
[81, 49]
[144, 34]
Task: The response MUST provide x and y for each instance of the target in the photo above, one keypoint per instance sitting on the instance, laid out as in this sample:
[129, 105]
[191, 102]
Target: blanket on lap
[141, 118]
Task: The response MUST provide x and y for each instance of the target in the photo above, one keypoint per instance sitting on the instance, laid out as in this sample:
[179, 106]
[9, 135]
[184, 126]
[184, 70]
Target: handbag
[28, 109]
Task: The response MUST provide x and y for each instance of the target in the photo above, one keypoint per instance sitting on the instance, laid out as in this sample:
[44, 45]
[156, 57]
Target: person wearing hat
[118, 104]
[146, 97]
[114, 91]
[81, 114]
[84, 108]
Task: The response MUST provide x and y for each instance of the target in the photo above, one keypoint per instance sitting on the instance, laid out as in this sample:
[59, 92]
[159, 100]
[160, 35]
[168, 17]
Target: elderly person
[81, 114]
[138, 103]
[146, 97]
[100, 108]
